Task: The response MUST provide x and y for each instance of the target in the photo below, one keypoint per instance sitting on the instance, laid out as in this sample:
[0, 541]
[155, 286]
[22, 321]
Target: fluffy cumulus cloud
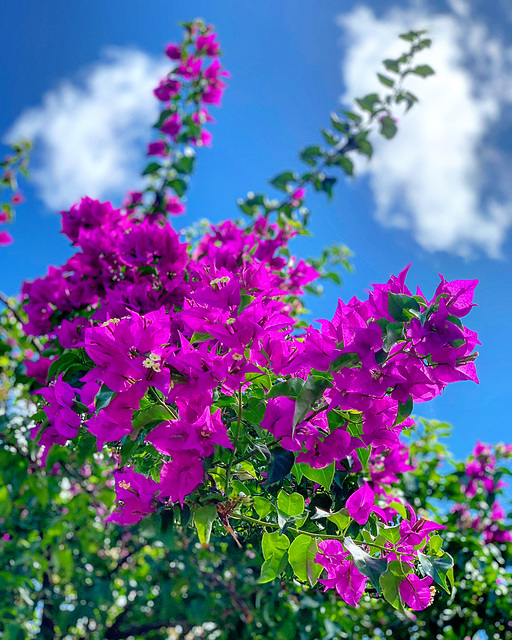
[444, 177]
[88, 134]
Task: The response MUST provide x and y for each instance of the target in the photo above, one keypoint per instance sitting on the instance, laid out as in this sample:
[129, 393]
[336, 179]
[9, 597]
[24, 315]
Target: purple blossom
[134, 497]
[180, 476]
[342, 573]
[415, 592]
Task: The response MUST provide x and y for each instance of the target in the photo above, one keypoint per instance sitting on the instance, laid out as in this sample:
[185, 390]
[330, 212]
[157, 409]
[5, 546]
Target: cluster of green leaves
[479, 605]
[13, 164]
[97, 581]
[15, 347]
[331, 261]
[350, 133]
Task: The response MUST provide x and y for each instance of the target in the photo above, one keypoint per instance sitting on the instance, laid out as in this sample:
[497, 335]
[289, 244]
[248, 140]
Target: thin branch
[33, 341]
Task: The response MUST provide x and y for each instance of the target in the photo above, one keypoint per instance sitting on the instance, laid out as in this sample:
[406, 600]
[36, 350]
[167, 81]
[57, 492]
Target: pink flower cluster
[342, 572]
[186, 93]
[233, 294]
[123, 264]
[205, 86]
[480, 471]
[434, 349]
[5, 236]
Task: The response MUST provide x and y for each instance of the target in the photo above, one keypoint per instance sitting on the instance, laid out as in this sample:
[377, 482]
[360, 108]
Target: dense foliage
[253, 456]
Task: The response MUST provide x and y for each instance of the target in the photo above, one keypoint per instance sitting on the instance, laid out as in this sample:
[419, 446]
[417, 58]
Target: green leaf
[147, 269]
[103, 398]
[327, 185]
[262, 506]
[185, 165]
[274, 548]
[309, 395]
[340, 518]
[369, 102]
[151, 168]
[200, 337]
[388, 82]
[391, 534]
[5, 503]
[282, 180]
[332, 275]
[392, 65]
[163, 117]
[409, 36]
[390, 582]
[366, 564]
[204, 518]
[272, 544]
[64, 363]
[259, 379]
[288, 389]
[128, 448]
[153, 415]
[353, 116]
[363, 453]
[345, 163]
[330, 137]
[344, 360]
[435, 543]
[388, 127]
[404, 410]
[323, 477]
[437, 567]
[394, 333]
[365, 147]
[310, 155]
[301, 555]
[179, 186]
[290, 504]
[407, 97]
[339, 124]
[254, 410]
[280, 466]
[402, 306]
[400, 508]
[423, 70]
[245, 301]
[297, 472]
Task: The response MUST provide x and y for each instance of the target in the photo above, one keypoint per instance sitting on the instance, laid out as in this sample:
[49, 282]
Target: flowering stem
[323, 536]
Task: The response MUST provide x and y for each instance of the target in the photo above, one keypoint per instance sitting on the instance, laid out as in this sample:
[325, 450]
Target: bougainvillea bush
[179, 373]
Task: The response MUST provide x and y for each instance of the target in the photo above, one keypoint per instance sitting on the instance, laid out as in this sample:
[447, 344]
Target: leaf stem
[323, 536]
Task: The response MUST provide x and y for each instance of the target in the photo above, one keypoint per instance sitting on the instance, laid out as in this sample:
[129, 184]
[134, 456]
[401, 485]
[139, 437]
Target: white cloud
[442, 177]
[88, 134]
[460, 7]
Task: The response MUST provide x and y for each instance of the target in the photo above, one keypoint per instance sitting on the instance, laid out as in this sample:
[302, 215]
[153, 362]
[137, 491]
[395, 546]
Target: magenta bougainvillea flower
[415, 591]
[342, 573]
[134, 495]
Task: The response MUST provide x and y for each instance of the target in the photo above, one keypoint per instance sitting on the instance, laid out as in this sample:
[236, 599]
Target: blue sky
[78, 79]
